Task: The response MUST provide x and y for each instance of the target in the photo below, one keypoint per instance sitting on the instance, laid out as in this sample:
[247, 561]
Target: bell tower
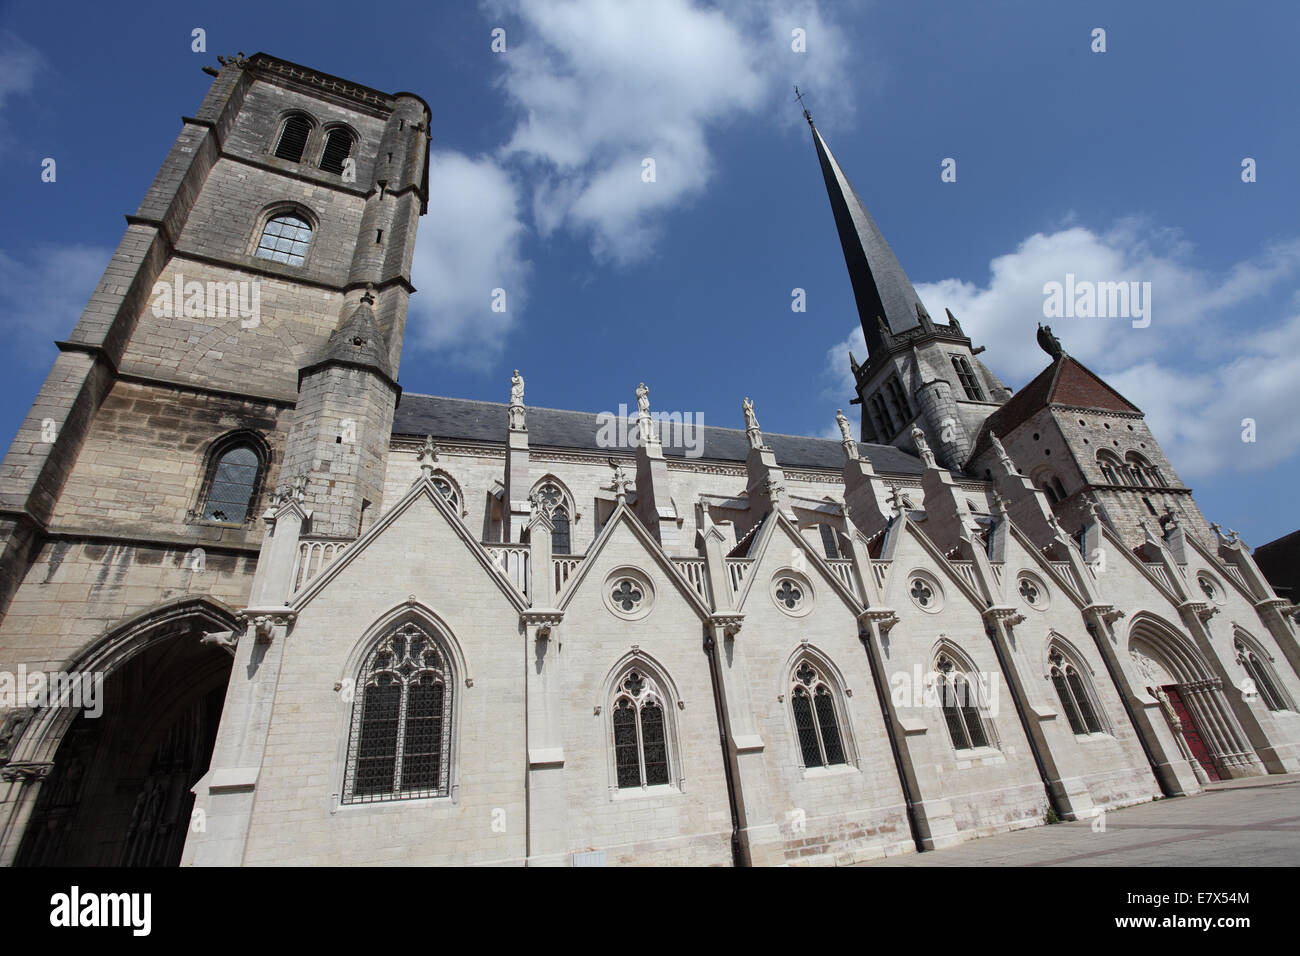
[917, 372]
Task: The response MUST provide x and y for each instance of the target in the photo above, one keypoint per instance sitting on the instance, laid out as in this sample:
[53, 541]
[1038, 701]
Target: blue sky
[1118, 166]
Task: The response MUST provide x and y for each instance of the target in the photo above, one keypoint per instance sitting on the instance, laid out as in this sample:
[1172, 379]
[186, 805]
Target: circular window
[925, 593]
[792, 593]
[629, 594]
[1032, 591]
[1210, 588]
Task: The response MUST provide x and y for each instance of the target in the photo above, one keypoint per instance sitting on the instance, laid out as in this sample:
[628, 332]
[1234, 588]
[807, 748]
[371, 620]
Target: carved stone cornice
[1107, 612]
[729, 621]
[1281, 605]
[542, 618]
[883, 617]
[26, 771]
[1005, 613]
[1202, 609]
[264, 620]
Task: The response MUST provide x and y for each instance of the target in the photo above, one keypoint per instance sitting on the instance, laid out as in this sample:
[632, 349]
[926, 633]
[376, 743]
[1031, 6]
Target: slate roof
[469, 420]
[880, 286]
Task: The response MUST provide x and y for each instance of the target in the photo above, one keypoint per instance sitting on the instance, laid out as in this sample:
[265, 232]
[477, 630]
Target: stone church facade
[340, 624]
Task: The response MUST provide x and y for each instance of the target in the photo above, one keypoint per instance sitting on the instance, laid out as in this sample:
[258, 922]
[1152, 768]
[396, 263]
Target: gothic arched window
[553, 499]
[338, 147]
[293, 137]
[1262, 676]
[285, 238]
[1074, 692]
[1111, 468]
[233, 480]
[815, 718]
[830, 541]
[640, 720]
[399, 746]
[959, 698]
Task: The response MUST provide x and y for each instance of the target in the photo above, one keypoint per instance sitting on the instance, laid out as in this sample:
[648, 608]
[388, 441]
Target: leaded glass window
[400, 740]
[640, 722]
[285, 239]
[959, 699]
[966, 375]
[829, 542]
[553, 500]
[1261, 674]
[815, 720]
[233, 484]
[1075, 698]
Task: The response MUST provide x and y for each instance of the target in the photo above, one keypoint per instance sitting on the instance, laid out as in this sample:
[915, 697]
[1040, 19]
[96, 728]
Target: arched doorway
[118, 791]
[1192, 699]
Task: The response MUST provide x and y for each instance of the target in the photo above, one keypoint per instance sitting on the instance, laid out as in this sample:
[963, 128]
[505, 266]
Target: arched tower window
[399, 745]
[1075, 694]
[293, 137]
[285, 238]
[640, 719]
[338, 147]
[1261, 674]
[1111, 468]
[816, 720]
[959, 697]
[235, 473]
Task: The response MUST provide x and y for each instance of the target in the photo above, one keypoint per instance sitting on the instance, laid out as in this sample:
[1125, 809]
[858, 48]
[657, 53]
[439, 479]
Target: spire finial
[806, 115]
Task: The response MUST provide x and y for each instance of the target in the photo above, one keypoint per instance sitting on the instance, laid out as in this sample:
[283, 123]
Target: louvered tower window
[338, 147]
[293, 138]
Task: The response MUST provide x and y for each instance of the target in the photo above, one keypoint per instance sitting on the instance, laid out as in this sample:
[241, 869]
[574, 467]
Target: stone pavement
[1250, 822]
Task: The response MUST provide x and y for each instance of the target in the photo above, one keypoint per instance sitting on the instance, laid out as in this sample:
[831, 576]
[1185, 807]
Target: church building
[300, 616]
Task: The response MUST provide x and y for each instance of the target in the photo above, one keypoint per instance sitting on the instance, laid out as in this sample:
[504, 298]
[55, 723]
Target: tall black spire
[886, 300]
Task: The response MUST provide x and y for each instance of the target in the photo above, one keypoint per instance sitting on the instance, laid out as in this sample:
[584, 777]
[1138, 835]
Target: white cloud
[602, 85]
[43, 296]
[19, 64]
[1204, 363]
[469, 246]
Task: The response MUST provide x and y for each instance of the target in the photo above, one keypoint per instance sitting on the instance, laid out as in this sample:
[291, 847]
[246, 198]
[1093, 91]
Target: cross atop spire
[806, 115]
[886, 301]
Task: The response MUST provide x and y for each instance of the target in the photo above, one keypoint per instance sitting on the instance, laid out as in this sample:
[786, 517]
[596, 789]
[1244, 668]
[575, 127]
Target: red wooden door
[1190, 732]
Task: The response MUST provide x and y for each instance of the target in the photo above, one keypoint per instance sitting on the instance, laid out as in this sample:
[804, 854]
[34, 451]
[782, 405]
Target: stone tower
[916, 372]
[1079, 441]
[258, 298]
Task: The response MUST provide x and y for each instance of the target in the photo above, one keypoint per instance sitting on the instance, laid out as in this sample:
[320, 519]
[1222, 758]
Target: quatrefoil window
[806, 674]
[1028, 591]
[627, 595]
[789, 594]
[922, 593]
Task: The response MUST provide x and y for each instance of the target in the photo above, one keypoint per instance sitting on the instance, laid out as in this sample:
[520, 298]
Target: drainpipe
[1025, 726]
[710, 649]
[881, 697]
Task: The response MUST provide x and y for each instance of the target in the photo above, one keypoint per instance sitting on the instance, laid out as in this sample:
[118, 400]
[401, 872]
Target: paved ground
[1252, 822]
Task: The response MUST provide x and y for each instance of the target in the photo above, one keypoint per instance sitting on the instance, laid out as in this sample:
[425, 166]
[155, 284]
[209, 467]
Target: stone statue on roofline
[923, 447]
[843, 422]
[517, 413]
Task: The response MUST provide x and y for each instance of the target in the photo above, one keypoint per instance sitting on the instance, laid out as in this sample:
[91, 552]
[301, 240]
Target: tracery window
[447, 490]
[815, 718]
[1076, 700]
[830, 542]
[1262, 676]
[959, 699]
[555, 502]
[640, 732]
[399, 745]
